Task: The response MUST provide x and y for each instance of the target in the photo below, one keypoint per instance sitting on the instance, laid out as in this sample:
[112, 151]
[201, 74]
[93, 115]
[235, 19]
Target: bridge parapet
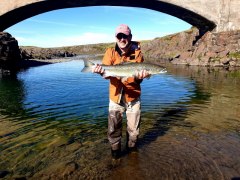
[217, 15]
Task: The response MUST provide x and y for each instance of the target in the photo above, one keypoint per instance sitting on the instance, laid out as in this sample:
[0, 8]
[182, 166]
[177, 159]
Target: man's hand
[98, 69]
[142, 74]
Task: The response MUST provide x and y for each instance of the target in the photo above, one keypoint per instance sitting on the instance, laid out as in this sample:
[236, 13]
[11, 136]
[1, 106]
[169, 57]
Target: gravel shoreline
[38, 62]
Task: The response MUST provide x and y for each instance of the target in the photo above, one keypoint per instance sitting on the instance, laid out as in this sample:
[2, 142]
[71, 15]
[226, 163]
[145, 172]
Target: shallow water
[54, 122]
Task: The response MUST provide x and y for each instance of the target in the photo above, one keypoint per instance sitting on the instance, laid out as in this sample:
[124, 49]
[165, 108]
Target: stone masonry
[220, 15]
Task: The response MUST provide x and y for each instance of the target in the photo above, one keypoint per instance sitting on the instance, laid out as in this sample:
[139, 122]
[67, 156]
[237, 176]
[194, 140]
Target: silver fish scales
[127, 69]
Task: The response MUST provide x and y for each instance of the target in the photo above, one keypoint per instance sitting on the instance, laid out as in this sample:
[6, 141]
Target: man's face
[123, 40]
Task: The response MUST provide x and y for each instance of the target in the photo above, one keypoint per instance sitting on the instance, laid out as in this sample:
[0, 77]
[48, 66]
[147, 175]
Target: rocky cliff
[171, 46]
[9, 51]
[212, 49]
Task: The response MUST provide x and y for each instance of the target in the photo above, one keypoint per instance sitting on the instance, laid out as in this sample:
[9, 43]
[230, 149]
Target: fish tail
[87, 66]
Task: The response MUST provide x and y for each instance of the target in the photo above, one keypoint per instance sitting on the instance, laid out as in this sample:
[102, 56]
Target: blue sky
[90, 25]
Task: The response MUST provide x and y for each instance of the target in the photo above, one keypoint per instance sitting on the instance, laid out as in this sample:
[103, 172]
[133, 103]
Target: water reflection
[11, 96]
[53, 125]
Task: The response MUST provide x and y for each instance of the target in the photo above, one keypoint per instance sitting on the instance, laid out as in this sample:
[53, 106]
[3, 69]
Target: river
[54, 125]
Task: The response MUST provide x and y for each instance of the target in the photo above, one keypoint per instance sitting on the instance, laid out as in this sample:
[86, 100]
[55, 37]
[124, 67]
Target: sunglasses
[122, 36]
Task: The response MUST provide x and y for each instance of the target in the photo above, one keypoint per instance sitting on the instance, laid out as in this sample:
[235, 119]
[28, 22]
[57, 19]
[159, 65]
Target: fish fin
[86, 69]
[87, 66]
[88, 63]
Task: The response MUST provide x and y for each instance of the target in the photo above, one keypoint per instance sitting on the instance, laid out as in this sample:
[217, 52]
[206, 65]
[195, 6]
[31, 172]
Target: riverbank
[39, 62]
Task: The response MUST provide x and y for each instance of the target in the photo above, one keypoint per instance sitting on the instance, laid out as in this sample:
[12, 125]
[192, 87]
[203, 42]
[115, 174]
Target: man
[124, 93]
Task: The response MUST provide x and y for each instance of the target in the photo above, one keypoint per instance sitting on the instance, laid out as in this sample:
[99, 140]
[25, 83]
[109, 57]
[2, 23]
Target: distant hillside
[32, 52]
[187, 47]
[167, 47]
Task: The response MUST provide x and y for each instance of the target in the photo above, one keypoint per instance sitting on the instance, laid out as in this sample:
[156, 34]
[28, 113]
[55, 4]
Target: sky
[92, 25]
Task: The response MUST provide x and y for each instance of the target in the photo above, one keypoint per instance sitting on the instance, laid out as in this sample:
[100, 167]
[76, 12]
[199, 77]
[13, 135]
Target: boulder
[9, 51]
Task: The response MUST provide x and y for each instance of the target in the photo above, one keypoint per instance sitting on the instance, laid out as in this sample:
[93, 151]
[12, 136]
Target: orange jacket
[130, 88]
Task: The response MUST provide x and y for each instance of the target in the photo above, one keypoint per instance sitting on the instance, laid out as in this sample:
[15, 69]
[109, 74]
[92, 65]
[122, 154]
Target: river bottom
[172, 156]
[179, 153]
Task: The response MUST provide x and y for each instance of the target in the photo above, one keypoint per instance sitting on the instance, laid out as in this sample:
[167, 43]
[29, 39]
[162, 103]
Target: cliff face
[212, 49]
[9, 51]
[171, 46]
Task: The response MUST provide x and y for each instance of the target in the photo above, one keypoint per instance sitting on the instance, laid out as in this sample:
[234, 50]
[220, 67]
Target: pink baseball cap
[123, 28]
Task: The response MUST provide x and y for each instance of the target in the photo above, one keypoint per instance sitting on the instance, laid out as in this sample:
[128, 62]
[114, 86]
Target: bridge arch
[29, 8]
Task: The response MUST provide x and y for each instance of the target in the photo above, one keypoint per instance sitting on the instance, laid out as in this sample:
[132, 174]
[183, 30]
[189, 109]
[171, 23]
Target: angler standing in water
[124, 92]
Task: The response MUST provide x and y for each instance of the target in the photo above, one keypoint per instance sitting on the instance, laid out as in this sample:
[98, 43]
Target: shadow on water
[10, 71]
[173, 116]
[163, 124]
[26, 64]
[12, 92]
[11, 96]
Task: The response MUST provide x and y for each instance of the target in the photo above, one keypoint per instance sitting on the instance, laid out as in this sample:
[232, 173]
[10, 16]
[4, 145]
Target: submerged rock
[3, 173]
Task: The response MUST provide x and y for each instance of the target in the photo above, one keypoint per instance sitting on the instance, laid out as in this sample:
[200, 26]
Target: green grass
[234, 55]
[235, 74]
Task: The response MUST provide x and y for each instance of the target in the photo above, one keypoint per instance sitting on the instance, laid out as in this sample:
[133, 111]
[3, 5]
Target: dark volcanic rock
[9, 51]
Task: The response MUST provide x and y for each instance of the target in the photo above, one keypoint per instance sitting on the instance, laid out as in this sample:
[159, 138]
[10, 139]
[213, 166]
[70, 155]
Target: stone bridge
[213, 15]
